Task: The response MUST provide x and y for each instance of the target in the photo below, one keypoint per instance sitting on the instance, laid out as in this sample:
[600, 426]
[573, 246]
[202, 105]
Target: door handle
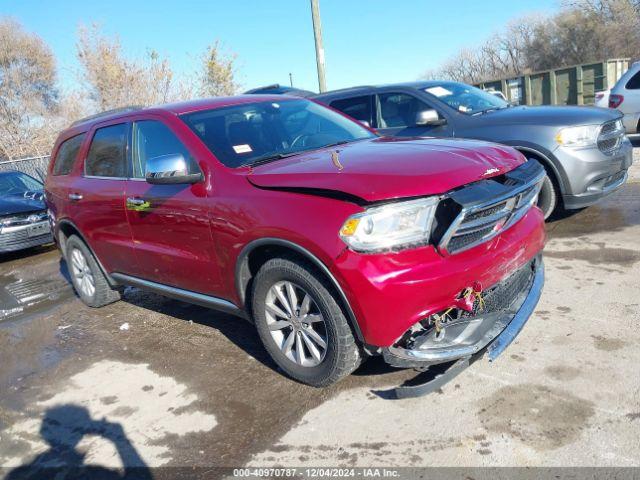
[135, 202]
[74, 197]
[138, 204]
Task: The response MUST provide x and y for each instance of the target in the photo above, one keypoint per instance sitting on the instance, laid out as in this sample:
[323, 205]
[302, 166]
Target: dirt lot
[152, 381]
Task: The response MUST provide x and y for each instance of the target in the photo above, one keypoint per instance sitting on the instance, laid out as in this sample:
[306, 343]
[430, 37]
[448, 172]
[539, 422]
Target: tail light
[615, 101]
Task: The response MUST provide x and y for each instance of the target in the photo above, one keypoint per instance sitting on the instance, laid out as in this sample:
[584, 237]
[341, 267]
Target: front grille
[486, 212]
[489, 207]
[463, 240]
[23, 219]
[610, 137]
[502, 295]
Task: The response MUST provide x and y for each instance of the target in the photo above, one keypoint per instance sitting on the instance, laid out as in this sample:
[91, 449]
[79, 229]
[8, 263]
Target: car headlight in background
[390, 226]
[582, 136]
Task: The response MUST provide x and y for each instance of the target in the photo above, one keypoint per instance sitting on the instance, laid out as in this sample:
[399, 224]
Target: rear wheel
[89, 282]
[301, 325]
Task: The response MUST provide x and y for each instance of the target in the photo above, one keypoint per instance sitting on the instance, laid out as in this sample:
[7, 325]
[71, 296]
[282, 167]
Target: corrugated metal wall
[574, 85]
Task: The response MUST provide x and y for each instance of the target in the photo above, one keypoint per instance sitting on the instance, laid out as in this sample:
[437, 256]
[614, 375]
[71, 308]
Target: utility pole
[291, 80]
[317, 34]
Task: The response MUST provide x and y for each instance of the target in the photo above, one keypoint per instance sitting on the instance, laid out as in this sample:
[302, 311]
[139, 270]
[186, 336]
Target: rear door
[59, 176]
[360, 108]
[96, 198]
[169, 223]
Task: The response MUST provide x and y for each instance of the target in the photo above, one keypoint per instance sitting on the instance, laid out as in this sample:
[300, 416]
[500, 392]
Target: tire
[85, 271]
[548, 197]
[342, 354]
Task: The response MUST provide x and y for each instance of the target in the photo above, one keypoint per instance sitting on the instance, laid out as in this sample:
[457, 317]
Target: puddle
[614, 213]
[621, 257]
[21, 296]
[539, 416]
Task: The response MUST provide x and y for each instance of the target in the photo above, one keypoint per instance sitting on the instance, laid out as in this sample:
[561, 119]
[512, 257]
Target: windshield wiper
[268, 158]
[491, 109]
[278, 156]
[335, 144]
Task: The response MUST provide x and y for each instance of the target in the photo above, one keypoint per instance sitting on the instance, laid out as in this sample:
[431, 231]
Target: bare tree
[28, 94]
[582, 31]
[114, 81]
[217, 75]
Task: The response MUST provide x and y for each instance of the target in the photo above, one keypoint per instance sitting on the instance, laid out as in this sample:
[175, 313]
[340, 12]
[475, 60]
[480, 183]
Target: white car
[625, 96]
[602, 99]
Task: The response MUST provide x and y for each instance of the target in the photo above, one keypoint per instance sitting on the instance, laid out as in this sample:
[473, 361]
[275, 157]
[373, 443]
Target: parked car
[497, 93]
[583, 149]
[625, 97]
[277, 89]
[336, 242]
[602, 99]
[24, 221]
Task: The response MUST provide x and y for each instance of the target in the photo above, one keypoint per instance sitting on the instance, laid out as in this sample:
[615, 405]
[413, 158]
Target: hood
[551, 116]
[386, 168]
[16, 204]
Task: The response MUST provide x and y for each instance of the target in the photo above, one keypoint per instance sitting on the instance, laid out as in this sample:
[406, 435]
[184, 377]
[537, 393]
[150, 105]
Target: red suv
[337, 243]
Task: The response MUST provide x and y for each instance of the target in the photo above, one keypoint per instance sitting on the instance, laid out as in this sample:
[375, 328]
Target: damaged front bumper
[509, 304]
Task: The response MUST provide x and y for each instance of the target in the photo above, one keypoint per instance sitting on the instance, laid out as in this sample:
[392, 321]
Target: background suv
[337, 243]
[583, 149]
[625, 97]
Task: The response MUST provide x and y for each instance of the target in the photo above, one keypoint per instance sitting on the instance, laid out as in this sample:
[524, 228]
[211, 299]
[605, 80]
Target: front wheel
[548, 197]
[301, 325]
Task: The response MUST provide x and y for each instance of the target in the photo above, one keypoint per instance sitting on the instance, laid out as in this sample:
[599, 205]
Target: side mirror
[170, 169]
[429, 117]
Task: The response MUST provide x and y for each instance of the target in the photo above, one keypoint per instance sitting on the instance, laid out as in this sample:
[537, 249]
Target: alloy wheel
[296, 324]
[82, 273]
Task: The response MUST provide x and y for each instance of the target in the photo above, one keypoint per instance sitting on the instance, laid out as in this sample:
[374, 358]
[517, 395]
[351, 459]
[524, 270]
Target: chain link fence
[34, 166]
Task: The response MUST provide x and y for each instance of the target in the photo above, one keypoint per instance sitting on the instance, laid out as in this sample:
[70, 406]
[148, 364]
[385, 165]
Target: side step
[201, 299]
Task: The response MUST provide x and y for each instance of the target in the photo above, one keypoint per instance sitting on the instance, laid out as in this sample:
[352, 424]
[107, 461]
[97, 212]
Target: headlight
[390, 226]
[583, 136]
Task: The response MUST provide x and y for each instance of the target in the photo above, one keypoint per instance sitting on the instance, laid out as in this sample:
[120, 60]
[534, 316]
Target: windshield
[256, 132]
[17, 183]
[465, 98]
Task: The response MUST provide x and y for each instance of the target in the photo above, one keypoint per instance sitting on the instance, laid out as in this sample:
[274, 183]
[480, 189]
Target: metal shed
[573, 85]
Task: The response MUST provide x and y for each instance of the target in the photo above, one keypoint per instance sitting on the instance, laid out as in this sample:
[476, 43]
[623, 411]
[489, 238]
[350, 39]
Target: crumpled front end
[483, 233]
[490, 319]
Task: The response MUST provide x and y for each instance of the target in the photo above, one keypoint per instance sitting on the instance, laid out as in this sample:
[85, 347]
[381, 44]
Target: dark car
[336, 242]
[277, 89]
[24, 221]
[583, 149]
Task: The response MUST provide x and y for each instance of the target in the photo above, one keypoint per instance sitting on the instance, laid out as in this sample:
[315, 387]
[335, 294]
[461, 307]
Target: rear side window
[634, 82]
[154, 139]
[356, 107]
[106, 157]
[67, 154]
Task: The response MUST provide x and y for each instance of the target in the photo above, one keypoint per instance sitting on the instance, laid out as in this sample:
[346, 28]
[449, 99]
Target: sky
[365, 41]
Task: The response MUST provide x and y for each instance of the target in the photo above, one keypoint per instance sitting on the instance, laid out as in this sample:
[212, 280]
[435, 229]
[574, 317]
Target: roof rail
[107, 113]
[273, 85]
[347, 89]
